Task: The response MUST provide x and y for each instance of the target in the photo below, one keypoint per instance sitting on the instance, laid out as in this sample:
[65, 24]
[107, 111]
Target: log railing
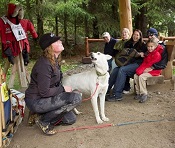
[90, 40]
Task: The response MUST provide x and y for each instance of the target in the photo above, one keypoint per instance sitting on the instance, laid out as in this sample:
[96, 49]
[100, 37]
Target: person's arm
[30, 27]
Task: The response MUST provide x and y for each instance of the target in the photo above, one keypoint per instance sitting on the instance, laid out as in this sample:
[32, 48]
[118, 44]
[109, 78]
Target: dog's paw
[105, 119]
[99, 121]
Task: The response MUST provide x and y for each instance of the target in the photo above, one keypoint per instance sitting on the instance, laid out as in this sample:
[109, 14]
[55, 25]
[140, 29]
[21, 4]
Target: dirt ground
[132, 125]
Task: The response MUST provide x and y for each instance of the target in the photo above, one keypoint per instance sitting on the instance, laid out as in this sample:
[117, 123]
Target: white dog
[93, 82]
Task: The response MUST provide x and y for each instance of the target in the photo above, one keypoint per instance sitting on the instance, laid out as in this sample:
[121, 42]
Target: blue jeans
[110, 64]
[119, 77]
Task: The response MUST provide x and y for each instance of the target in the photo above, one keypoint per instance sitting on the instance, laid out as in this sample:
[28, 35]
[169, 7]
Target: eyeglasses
[150, 34]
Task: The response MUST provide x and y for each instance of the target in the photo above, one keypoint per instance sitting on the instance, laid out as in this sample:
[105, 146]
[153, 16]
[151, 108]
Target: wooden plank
[155, 80]
[21, 71]
[13, 73]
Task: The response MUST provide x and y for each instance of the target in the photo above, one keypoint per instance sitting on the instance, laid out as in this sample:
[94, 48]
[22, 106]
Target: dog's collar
[100, 74]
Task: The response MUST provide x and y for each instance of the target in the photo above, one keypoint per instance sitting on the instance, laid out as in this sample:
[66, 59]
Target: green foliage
[67, 67]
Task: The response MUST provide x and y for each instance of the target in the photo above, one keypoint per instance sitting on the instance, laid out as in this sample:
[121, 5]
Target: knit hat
[152, 31]
[47, 39]
[105, 34]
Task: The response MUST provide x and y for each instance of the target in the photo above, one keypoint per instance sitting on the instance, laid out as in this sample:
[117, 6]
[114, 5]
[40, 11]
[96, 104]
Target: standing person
[109, 47]
[144, 71]
[136, 42]
[45, 95]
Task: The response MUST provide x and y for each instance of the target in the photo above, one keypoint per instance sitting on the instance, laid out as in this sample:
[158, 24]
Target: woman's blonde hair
[49, 54]
[127, 30]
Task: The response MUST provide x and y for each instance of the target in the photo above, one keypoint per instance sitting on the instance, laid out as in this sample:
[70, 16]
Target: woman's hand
[141, 54]
[68, 88]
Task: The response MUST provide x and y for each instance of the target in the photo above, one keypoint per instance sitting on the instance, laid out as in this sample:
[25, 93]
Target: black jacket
[139, 47]
[45, 81]
[164, 60]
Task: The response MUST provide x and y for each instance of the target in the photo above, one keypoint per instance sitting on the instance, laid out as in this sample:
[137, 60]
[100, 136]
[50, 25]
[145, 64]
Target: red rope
[85, 127]
[92, 94]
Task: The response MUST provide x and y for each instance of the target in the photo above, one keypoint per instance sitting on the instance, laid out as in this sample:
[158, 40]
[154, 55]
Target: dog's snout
[92, 56]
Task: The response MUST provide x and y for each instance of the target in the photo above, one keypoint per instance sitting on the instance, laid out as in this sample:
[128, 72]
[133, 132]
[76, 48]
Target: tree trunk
[56, 25]
[141, 20]
[95, 29]
[116, 18]
[75, 31]
[86, 28]
[28, 10]
[40, 28]
[65, 30]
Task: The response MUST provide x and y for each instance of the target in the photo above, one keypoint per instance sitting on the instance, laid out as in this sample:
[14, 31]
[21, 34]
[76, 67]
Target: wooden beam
[125, 14]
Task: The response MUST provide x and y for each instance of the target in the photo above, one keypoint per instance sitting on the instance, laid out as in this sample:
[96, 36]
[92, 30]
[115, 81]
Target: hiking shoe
[46, 128]
[143, 98]
[31, 119]
[126, 91]
[114, 98]
[137, 97]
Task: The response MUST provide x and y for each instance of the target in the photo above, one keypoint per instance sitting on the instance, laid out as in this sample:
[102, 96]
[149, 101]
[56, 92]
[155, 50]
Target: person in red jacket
[144, 70]
[14, 33]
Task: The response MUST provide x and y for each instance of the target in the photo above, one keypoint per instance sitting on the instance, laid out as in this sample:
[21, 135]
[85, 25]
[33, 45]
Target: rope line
[85, 127]
[109, 125]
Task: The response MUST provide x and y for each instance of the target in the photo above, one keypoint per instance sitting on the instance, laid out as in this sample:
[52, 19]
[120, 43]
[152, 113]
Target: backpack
[124, 56]
[164, 58]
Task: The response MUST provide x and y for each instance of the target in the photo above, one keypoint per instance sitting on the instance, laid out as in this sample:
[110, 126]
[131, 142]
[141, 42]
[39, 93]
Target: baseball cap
[47, 39]
[105, 34]
[152, 31]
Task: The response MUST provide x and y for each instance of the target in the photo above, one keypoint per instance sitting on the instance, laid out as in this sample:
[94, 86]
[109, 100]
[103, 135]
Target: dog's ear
[108, 57]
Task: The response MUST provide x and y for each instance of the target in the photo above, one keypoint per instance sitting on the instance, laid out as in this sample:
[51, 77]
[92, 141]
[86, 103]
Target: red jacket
[149, 60]
[7, 37]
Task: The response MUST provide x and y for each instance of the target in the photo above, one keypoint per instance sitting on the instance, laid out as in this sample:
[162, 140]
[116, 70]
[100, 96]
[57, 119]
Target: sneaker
[137, 97]
[114, 98]
[46, 128]
[143, 98]
[107, 96]
[126, 92]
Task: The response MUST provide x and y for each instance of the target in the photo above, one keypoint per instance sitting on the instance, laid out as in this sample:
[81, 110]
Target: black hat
[47, 39]
[152, 31]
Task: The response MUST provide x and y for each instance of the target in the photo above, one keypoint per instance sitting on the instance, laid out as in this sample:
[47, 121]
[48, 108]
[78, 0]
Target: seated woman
[144, 70]
[119, 75]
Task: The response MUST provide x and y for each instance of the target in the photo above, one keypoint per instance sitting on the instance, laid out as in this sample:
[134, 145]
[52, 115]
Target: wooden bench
[166, 73]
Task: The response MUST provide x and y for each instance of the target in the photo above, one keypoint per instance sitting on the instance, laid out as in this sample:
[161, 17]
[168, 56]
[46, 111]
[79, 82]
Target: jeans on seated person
[113, 77]
[110, 64]
[120, 78]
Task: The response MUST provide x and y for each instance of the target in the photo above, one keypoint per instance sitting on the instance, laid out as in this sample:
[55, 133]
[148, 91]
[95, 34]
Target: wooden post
[125, 15]
[167, 72]
[17, 68]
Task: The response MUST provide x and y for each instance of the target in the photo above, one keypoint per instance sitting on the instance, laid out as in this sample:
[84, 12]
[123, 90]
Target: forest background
[74, 20]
